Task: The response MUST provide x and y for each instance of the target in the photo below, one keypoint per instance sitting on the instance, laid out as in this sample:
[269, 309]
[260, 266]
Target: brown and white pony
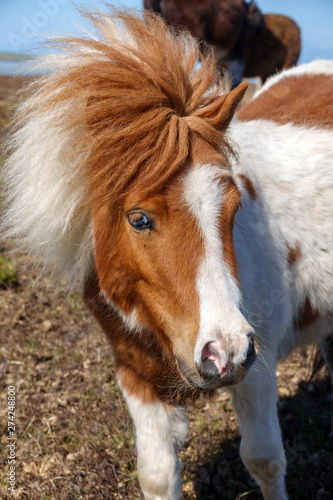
[245, 41]
[128, 174]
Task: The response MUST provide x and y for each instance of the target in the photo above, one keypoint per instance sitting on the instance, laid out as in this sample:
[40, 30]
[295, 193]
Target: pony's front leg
[255, 403]
[161, 429]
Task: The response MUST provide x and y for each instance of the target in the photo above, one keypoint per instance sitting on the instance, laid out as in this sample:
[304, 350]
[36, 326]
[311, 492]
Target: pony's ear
[220, 111]
[230, 104]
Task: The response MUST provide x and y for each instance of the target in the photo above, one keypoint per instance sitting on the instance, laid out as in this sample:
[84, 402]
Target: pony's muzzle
[215, 361]
[218, 364]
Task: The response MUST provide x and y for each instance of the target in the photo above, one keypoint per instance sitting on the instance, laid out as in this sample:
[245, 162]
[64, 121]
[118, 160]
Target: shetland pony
[127, 173]
[245, 41]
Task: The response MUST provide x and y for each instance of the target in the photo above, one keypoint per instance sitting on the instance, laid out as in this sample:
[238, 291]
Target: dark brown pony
[245, 41]
[275, 48]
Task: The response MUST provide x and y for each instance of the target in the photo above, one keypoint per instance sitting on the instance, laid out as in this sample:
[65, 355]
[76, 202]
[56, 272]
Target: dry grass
[75, 439]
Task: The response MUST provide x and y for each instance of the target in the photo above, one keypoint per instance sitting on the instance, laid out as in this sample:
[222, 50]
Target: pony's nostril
[214, 360]
[209, 368]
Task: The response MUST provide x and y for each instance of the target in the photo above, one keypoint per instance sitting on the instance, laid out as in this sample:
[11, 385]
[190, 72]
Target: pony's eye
[139, 221]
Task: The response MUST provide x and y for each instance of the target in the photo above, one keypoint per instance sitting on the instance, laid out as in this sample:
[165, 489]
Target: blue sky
[19, 18]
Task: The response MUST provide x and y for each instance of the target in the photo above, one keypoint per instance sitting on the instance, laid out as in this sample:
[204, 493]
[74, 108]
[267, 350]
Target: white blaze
[219, 295]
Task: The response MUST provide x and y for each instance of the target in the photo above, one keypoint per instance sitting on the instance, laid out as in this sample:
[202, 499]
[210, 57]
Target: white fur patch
[319, 67]
[161, 430]
[130, 320]
[47, 211]
[219, 296]
[254, 401]
[292, 170]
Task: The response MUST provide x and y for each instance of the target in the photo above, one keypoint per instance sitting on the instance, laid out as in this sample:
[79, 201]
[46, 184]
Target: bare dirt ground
[75, 439]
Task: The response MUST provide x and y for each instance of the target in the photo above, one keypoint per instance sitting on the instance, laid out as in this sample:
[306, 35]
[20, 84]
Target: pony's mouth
[197, 381]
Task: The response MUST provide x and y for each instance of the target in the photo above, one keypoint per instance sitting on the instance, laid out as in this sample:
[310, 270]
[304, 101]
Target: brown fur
[231, 202]
[249, 186]
[294, 254]
[307, 109]
[218, 22]
[306, 315]
[146, 366]
[276, 47]
[141, 107]
[124, 258]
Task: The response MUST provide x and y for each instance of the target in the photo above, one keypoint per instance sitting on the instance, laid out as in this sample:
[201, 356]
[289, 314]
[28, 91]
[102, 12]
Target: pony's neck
[288, 166]
[282, 161]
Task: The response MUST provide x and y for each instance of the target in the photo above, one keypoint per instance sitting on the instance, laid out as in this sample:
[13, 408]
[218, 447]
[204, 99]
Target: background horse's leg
[161, 430]
[262, 452]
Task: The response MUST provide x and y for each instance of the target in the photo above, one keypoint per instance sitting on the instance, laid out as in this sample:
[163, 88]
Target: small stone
[47, 325]
[189, 487]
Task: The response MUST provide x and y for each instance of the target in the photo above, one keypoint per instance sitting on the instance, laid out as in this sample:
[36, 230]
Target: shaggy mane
[116, 113]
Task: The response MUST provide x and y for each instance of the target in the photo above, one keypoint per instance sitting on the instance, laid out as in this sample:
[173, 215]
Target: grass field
[75, 439]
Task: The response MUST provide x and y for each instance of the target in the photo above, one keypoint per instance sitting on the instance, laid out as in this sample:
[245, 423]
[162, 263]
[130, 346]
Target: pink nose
[214, 358]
